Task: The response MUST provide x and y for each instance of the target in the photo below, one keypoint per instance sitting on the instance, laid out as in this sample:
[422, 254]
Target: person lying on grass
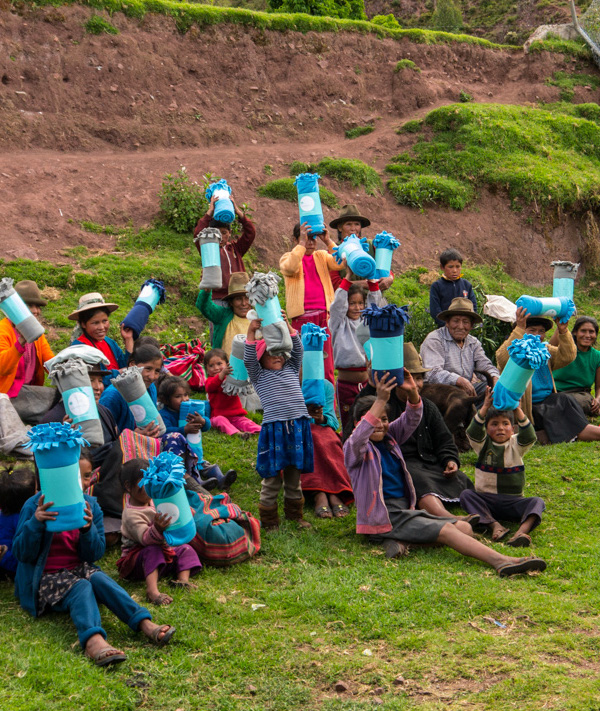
[385, 495]
[500, 473]
[56, 573]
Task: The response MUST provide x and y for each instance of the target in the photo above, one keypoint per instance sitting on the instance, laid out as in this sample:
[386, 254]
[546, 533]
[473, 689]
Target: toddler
[16, 486]
[285, 447]
[228, 415]
[449, 285]
[145, 554]
[500, 473]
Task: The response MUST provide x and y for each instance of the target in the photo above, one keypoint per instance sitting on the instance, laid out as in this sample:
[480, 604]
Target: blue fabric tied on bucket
[548, 307]
[224, 210]
[153, 292]
[527, 354]
[356, 253]
[164, 481]
[309, 202]
[386, 326]
[56, 447]
[313, 367]
[384, 243]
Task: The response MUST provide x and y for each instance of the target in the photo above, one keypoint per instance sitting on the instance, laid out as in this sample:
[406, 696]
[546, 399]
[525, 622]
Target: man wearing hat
[22, 364]
[228, 319]
[350, 222]
[453, 355]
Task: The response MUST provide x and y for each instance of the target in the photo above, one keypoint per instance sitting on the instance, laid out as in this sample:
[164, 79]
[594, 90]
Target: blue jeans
[82, 601]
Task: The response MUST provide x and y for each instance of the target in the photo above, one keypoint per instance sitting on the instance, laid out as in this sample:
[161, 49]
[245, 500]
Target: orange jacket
[10, 356]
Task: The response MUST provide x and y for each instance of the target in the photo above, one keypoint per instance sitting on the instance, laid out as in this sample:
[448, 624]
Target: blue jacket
[171, 420]
[121, 357]
[443, 291]
[112, 399]
[31, 545]
[8, 527]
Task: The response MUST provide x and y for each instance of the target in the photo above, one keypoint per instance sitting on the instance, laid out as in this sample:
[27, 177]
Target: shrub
[464, 97]
[352, 170]
[343, 9]
[422, 189]
[359, 131]
[297, 167]
[406, 64]
[388, 21]
[284, 189]
[446, 17]
[182, 201]
[97, 25]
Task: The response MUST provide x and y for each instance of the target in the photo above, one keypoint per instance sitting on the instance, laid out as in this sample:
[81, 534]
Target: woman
[92, 315]
[577, 378]
[430, 453]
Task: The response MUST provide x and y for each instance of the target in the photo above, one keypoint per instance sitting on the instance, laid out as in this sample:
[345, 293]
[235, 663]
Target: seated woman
[578, 378]
[22, 395]
[556, 416]
[430, 453]
[92, 315]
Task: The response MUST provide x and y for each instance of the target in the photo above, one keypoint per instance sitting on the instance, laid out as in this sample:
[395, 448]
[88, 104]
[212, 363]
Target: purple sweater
[363, 463]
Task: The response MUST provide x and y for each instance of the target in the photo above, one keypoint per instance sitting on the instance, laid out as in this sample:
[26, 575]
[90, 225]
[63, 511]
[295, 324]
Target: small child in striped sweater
[285, 447]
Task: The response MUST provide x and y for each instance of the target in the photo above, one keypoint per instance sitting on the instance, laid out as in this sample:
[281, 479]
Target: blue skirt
[284, 444]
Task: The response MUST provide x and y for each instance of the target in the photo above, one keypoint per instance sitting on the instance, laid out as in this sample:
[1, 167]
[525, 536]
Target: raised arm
[339, 306]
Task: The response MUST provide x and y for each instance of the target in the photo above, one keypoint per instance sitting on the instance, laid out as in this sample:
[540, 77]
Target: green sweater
[580, 373]
[221, 316]
[500, 468]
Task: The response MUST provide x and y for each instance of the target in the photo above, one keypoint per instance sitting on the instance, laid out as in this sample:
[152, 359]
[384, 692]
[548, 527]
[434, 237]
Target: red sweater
[220, 403]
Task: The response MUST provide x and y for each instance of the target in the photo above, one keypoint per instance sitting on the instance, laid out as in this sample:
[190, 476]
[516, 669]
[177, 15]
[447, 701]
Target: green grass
[344, 170]
[359, 131]
[406, 64]
[284, 189]
[548, 155]
[97, 25]
[567, 82]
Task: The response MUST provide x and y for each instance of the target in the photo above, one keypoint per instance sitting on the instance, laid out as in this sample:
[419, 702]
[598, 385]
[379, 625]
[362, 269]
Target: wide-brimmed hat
[96, 370]
[349, 213]
[93, 300]
[540, 321]
[30, 292]
[237, 285]
[460, 307]
[412, 360]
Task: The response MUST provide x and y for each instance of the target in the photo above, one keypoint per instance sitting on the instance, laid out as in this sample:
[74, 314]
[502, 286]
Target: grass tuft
[406, 64]
[284, 189]
[97, 25]
[359, 131]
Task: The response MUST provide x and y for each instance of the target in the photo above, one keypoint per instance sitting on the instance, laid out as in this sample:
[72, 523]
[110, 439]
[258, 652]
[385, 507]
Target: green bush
[353, 171]
[182, 201]
[359, 131]
[97, 25]
[413, 126]
[343, 9]
[424, 189]
[388, 21]
[446, 17]
[284, 189]
[297, 167]
[464, 97]
[406, 64]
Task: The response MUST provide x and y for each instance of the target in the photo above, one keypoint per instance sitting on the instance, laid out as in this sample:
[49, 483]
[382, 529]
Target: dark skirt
[411, 526]
[560, 416]
[284, 444]
[329, 474]
[430, 479]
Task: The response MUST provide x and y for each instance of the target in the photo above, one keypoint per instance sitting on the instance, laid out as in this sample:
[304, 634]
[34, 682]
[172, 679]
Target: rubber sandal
[521, 565]
[107, 656]
[162, 641]
[323, 512]
[340, 511]
[501, 536]
[521, 540]
[160, 599]
[472, 519]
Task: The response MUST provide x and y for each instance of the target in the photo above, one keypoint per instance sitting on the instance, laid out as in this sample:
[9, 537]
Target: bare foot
[159, 598]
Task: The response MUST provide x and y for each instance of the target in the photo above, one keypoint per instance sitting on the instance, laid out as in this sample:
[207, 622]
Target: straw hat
[349, 213]
[412, 360]
[460, 307]
[237, 285]
[29, 291]
[93, 300]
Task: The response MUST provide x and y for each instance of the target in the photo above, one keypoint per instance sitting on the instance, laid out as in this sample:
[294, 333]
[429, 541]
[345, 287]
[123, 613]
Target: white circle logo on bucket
[138, 412]
[307, 203]
[169, 510]
[194, 438]
[551, 313]
[78, 404]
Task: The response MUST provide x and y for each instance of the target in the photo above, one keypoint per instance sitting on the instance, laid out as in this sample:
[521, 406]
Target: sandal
[472, 519]
[395, 549]
[323, 512]
[106, 656]
[168, 630]
[520, 540]
[521, 565]
[160, 599]
[499, 535]
[340, 511]
[183, 585]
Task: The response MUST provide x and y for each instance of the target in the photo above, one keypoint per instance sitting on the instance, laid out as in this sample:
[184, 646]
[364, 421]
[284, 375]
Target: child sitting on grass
[56, 573]
[383, 489]
[228, 415]
[500, 473]
[449, 285]
[145, 554]
[16, 486]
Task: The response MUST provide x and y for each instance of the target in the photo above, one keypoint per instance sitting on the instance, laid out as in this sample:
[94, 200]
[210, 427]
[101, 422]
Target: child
[228, 415]
[229, 319]
[500, 473]
[16, 486]
[56, 572]
[348, 354]
[86, 468]
[172, 391]
[145, 554]
[383, 489]
[449, 286]
[308, 286]
[285, 442]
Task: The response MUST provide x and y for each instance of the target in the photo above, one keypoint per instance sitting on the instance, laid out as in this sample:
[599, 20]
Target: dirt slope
[91, 124]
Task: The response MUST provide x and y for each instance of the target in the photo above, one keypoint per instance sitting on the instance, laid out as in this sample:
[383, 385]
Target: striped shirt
[449, 362]
[279, 390]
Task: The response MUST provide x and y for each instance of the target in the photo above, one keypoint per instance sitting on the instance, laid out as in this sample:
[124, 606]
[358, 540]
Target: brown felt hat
[29, 291]
[93, 300]
[460, 307]
[237, 285]
[349, 213]
[546, 323]
[96, 370]
[412, 360]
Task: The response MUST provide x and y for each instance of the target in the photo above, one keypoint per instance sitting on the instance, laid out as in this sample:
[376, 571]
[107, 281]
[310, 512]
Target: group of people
[394, 459]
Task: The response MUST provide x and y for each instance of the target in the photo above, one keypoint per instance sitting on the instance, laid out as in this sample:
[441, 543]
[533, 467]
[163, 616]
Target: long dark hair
[579, 322]
[358, 410]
